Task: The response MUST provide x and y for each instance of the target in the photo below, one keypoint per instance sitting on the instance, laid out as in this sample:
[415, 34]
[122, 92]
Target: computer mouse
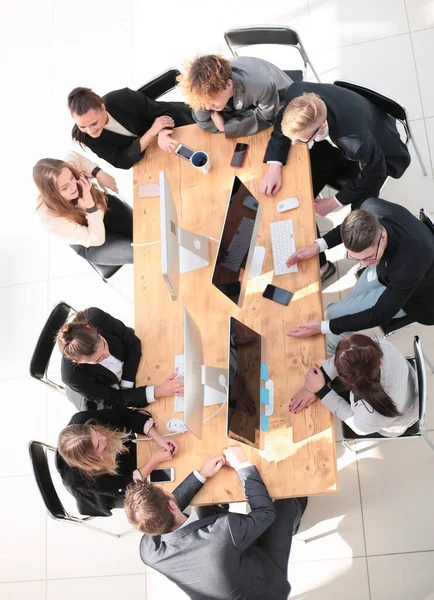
[176, 425]
[287, 204]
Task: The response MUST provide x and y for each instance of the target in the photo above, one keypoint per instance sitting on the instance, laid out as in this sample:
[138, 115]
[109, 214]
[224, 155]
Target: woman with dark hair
[119, 126]
[97, 458]
[98, 226]
[381, 383]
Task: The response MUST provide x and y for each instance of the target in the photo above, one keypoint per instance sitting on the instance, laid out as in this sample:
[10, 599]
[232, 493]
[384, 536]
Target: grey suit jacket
[259, 88]
[217, 557]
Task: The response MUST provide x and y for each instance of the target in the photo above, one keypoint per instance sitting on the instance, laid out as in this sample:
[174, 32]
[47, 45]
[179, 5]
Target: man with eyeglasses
[398, 252]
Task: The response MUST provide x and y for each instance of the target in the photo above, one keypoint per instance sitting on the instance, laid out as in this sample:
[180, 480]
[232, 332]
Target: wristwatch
[93, 209]
[96, 171]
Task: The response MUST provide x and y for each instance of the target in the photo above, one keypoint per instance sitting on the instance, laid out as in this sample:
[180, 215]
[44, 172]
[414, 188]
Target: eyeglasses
[367, 258]
[311, 137]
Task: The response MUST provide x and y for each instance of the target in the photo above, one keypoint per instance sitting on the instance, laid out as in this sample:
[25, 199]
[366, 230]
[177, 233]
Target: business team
[354, 146]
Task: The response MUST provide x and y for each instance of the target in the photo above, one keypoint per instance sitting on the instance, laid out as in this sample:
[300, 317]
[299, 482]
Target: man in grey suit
[238, 97]
[223, 556]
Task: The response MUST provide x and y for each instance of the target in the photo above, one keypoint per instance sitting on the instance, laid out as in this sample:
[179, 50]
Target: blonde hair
[45, 175]
[302, 113]
[205, 77]
[76, 448]
[79, 339]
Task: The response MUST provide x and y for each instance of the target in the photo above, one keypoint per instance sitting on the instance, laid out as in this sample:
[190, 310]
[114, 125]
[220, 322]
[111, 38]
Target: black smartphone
[162, 475]
[184, 151]
[278, 295]
[239, 155]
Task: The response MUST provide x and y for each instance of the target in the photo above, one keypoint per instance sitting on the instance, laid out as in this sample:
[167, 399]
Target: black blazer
[136, 112]
[363, 132]
[406, 269]
[94, 382]
[97, 496]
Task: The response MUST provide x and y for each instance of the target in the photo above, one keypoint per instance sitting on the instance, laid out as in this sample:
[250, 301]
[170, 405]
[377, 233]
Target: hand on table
[160, 123]
[314, 380]
[160, 456]
[325, 205]
[212, 466]
[302, 399]
[272, 180]
[166, 142]
[172, 386]
[303, 254]
[306, 329]
[234, 456]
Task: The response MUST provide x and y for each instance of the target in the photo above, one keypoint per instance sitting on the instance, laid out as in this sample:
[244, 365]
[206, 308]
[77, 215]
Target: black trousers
[117, 249]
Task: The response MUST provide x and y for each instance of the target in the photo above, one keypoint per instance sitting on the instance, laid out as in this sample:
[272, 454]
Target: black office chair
[406, 321]
[418, 429]
[53, 504]
[269, 34]
[391, 107]
[160, 85]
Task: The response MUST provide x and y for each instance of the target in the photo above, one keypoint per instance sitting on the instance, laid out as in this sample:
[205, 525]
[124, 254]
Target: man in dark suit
[221, 556]
[353, 144]
[119, 126]
[101, 357]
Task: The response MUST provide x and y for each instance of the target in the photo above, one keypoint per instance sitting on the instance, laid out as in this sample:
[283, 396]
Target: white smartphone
[184, 151]
[148, 190]
[162, 475]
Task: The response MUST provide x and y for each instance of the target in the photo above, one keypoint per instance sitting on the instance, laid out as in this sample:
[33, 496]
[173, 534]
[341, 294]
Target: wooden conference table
[297, 455]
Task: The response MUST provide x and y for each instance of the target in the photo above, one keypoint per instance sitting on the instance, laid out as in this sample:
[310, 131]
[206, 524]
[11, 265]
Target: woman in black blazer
[100, 361]
[120, 126]
[97, 457]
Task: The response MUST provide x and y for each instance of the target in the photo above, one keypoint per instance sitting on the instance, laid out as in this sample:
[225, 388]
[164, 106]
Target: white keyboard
[283, 245]
[239, 245]
[178, 363]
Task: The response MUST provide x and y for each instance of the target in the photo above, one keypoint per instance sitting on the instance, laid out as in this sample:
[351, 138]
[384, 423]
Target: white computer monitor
[181, 250]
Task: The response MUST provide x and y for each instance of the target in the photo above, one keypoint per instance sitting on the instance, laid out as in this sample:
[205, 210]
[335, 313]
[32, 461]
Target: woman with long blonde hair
[97, 459]
[97, 225]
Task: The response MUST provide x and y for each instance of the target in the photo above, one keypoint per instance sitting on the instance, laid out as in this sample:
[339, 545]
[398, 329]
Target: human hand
[160, 456]
[303, 254]
[212, 466]
[172, 386]
[306, 329]
[302, 399]
[161, 123]
[324, 205]
[86, 200]
[165, 142]
[164, 442]
[218, 120]
[106, 181]
[314, 380]
[234, 456]
[272, 180]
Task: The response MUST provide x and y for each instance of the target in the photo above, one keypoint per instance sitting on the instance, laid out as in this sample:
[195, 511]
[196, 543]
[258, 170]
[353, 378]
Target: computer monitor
[244, 389]
[181, 250]
[237, 243]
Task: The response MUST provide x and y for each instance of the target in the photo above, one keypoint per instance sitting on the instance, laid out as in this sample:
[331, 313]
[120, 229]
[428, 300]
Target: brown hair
[360, 230]
[357, 361]
[302, 113]
[147, 508]
[205, 77]
[45, 175]
[76, 448]
[80, 101]
[78, 339]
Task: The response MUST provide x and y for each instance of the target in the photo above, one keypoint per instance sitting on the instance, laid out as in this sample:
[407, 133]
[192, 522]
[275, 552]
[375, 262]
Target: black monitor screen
[235, 242]
[244, 384]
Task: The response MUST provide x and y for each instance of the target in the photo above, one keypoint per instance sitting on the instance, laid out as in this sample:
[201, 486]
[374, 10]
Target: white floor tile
[420, 14]
[397, 494]
[333, 523]
[24, 397]
[158, 587]
[90, 588]
[430, 131]
[35, 590]
[22, 523]
[24, 310]
[64, 261]
[423, 44]
[329, 580]
[411, 576]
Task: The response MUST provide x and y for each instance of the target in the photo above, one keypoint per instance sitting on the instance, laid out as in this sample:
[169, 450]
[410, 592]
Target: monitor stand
[257, 262]
[215, 381]
[193, 251]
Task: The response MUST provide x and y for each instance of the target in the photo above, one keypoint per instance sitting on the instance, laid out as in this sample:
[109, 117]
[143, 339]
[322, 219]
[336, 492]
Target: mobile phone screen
[185, 152]
[238, 157]
[161, 475]
[278, 295]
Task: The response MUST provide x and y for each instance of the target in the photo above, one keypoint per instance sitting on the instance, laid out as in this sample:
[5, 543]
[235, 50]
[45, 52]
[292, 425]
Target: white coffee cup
[200, 161]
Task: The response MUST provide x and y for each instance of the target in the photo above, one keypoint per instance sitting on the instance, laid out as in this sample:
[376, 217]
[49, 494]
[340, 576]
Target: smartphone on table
[239, 155]
[277, 294]
[162, 475]
[184, 151]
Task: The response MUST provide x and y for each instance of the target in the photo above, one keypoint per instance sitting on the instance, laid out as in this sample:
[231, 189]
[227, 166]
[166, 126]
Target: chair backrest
[386, 104]
[258, 35]
[421, 380]
[41, 470]
[426, 219]
[45, 344]
[160, 85]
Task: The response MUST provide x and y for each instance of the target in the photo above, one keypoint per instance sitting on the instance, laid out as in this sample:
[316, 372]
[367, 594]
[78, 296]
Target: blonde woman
[96, 456]
[97, 225]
